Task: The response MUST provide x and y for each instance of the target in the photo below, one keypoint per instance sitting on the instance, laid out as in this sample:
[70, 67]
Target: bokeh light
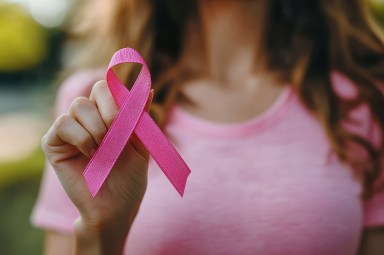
[47, 12]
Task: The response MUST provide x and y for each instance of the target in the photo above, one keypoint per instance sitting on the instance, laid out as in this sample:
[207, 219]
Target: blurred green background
[32, 49]
[32, 36]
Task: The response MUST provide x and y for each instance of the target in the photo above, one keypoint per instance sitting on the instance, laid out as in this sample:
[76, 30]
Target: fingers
[67, 130]
[104, 101]
[88, 116]
[88, 121]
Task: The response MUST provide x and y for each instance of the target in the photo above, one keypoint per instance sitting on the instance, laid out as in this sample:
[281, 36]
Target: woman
[276, 106]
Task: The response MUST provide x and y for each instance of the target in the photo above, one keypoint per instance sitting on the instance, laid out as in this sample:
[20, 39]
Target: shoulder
[360, 119]
[343, 86]
[78, 84]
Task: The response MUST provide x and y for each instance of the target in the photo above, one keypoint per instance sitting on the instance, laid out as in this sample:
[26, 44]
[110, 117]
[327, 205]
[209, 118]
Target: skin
[105, 220]
[103, 224]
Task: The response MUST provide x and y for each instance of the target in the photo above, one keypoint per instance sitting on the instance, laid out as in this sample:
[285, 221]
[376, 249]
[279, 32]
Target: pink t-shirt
[264, 186]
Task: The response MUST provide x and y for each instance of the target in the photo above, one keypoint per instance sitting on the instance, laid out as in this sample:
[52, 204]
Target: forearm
[109, 240]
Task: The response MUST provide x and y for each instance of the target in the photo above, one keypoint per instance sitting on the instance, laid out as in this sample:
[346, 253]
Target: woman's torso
[269, 185]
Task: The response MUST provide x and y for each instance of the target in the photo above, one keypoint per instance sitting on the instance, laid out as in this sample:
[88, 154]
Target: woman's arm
[104, 220]
[84, 242]
[372, 242]
[58, 243]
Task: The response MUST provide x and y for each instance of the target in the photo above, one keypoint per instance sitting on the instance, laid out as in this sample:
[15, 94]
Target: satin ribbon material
[132, 117]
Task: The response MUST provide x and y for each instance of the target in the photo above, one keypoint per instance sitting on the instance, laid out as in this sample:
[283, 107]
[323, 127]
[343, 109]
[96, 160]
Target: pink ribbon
[132, 117]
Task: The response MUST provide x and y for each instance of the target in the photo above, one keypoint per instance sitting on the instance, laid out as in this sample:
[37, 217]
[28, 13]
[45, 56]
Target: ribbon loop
[133, 118]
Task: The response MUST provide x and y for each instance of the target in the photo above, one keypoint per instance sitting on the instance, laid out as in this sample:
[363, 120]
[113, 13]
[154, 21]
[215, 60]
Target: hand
[69, 145]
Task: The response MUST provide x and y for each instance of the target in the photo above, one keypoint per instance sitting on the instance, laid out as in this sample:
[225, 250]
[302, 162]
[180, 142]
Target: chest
[230, 104]
[270, 194]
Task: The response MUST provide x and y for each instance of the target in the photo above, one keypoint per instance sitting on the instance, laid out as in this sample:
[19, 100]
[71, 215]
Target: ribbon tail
[163, 152]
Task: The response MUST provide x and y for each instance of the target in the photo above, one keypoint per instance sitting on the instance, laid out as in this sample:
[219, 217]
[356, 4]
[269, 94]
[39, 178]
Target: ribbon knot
[132, 117]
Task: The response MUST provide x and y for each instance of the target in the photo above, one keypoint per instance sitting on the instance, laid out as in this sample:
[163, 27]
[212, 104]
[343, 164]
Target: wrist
[99, 240]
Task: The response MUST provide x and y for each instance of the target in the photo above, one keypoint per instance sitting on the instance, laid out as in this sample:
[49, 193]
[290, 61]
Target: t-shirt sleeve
[374, 207]
[53, 209]
[374, 211]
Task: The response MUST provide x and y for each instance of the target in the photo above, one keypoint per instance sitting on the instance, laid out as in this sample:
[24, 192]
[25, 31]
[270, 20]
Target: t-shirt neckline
[195, 124]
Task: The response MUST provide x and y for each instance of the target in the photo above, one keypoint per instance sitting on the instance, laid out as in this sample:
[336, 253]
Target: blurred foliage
[29, 167]
[23, 41]
[17, 236]
[19, 185]
[378, 10]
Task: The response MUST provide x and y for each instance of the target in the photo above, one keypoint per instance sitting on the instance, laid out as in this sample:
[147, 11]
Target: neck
[231, 33]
